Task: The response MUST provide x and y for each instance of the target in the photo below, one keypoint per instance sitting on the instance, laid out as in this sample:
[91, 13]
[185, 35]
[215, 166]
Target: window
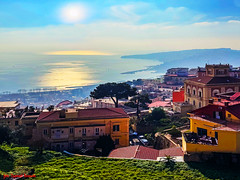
[16, 123]
[194, 102]
[115, 127]
[97, 131]
[201, 132]
[71, 130]
[45, 132]
[84, 132]
[116, 141]
[200, 105]
[194, 92]
[216, 135]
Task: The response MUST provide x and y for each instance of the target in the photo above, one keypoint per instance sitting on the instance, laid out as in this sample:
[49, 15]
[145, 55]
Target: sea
[28, 72]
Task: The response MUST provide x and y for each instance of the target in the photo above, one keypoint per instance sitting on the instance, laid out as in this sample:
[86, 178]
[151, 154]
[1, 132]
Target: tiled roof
[141, 152]
[125, 152]
[160, 104]
[235, 96]
[85, 114]
[215, 80]
[175, 151]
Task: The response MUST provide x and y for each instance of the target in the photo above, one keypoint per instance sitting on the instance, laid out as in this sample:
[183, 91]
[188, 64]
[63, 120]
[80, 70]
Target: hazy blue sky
[117, 27]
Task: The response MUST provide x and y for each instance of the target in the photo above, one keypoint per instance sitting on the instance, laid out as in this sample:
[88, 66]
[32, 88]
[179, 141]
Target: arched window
[194, 91]
[200, 104]
[194, 103]
[215, 92]
[188, 90]
[229, 90]
[200, 92]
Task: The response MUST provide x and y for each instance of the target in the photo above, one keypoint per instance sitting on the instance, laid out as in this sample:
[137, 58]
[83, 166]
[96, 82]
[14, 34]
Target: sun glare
[78, 53]
[73, 13]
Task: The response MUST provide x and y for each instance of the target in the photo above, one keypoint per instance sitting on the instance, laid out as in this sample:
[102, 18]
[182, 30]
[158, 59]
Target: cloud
[149, 13]
[206, 23]
[234, 21]
[119, 38]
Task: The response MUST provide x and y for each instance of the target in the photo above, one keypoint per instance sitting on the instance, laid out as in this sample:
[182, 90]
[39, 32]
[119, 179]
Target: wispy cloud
[234, 21]
[206, 23]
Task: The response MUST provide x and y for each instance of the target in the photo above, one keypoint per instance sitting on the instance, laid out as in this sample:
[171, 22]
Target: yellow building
[214, 128]
[80, 129]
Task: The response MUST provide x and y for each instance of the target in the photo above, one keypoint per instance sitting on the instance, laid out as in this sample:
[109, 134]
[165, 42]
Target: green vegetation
[115, 91]
[54, 165]
[175, 132]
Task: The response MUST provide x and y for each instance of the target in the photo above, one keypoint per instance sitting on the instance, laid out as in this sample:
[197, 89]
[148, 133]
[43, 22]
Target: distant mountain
[190, 58]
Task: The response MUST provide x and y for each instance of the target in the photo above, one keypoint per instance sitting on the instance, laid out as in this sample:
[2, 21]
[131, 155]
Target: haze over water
[49, 71]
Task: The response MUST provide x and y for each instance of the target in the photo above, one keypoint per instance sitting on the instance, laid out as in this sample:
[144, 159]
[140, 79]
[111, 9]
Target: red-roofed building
[165, 105]
[79, 129]
[145, 153]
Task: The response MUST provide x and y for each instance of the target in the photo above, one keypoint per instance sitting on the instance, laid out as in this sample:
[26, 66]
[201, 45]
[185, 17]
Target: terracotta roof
[125, 152]
[141, 152]
[215, 80]
[235, 96]
[230, 126]
[85, 114]
[175, 151]
[160, 104]
[135, 152]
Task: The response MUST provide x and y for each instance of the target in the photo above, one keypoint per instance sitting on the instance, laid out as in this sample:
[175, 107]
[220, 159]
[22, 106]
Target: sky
[113, 27]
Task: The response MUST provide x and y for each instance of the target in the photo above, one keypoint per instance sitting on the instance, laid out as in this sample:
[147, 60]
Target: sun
[73, 13]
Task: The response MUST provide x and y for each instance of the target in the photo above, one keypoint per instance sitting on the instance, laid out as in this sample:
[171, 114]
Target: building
[146, 153]
[63, 130]
[177, 76]
[213, 128]
[28, 120]
[198, 91]
[106, 103]
[178, 96]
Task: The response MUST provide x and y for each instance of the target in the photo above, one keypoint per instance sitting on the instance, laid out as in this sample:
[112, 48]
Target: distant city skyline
[60, 27]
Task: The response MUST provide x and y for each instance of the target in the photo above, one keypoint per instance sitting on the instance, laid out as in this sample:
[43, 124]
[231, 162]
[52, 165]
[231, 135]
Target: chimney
[210, 101]
[62, 114]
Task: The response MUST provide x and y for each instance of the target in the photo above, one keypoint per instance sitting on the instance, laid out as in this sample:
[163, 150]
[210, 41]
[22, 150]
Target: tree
[115, 91]
[5, 134]
[106, 143]
[50, 108]
[138, 101]
[156, 116]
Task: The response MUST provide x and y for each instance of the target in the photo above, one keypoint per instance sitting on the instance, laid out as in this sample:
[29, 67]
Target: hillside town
[188, 116]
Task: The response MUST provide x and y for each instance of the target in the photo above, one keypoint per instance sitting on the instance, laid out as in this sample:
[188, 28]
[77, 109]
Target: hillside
[190, 58]
[53, 165]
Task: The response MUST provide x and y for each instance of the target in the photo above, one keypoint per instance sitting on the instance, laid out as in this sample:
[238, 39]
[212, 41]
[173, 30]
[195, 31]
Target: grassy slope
[51, 165]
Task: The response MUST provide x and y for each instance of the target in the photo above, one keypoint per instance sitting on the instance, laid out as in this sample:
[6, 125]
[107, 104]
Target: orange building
[80, 129]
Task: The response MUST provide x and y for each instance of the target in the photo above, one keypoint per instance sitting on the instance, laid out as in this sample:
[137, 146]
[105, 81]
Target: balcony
[193, 138]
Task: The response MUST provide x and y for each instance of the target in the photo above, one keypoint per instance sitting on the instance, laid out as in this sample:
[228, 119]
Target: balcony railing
[194, 138]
